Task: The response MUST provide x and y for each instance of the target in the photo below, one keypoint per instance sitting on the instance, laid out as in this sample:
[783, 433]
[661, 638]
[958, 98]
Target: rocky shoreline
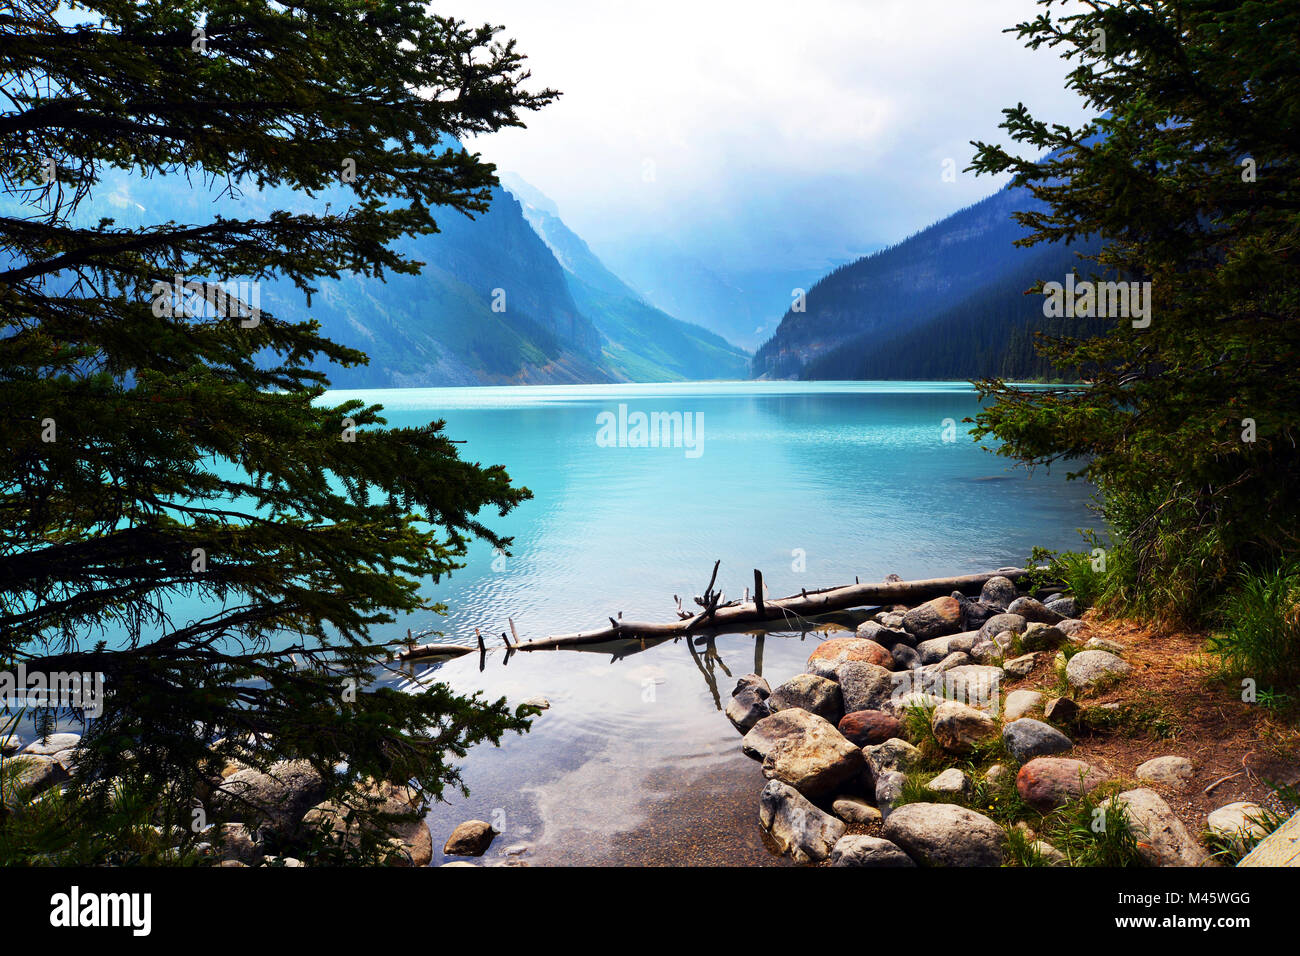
[890, 747]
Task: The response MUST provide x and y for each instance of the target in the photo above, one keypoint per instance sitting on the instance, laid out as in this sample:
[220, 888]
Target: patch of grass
[1022, 850]
[1145, 716]
[1259, 634]
[1078, 572]
[1092, 830]
[918, 727]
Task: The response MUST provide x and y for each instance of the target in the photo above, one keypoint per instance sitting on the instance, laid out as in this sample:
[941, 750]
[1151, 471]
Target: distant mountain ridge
[947, 302]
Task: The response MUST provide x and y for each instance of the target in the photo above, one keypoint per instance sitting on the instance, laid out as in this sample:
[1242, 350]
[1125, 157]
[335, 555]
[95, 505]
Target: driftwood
[785, 612]
[420, 651]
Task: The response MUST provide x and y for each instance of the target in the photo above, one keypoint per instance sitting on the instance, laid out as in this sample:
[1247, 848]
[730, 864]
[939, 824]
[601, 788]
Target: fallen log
[788, 611]
[432, 650]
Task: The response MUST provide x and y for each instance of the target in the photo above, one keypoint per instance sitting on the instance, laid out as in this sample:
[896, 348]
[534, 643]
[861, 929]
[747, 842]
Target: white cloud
[776, 131]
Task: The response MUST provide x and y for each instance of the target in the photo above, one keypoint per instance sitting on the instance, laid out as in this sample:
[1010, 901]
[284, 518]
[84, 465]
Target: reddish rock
[840, 649]
[934, 618]
[1046, 783]
[866, 727]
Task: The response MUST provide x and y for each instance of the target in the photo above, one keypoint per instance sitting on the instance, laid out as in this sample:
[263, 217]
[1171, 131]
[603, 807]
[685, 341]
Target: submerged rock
[471, 838]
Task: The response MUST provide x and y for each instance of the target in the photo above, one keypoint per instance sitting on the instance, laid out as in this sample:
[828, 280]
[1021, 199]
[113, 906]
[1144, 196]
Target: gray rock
[855, 810]
[864, 686]
[893, 754]
[1027, 738]
[1162, 838]
[1032, 609]
[1238, 822]
[1170, 771]
[1279, 848]
[933, 618]
[855, 850]
[976, 684]
[29, 775]
[1071, 627]
[275, 800]
[1067, 607]
[955, 659]
[52, 744]
[1021, 702]
[769, 730]
[999, 623]
[998, 592]
[817, 762]
[889, 787]
[796, 825]
[1042, 637]
[1062, 710]
[951, 781]
[887, 637]
[817, 695]
[759, 685]
[1101, 644]
[1021, 666]
[944, 834]
[822, 667]
[905, 657]
[959, 728]
[748, 704]
[1087, 669]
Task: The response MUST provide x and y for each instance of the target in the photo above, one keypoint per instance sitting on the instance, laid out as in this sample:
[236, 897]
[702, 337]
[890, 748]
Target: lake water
[814, 483]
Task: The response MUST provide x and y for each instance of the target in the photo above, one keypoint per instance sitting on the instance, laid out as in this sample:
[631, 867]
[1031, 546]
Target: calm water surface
[814, 483]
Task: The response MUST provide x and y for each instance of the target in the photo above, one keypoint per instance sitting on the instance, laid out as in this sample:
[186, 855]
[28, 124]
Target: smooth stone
[837, 650]
[1071, 627]
[866, 727]
[797, 826]
[975, 684]
[995, 774]
[944, 834]
[1237, 821]
[1031, 609]
[754, 682]
[1050, 854]
[959, 728]
[1021, 666]
[1027, 738]
[1170, 771]
[864, 686]
[1086, 669]
[905, 657]
[764, 734]
[951, 781]
[1002, 622]
[933, 618]
[1046, 783]
[855, 850]
[889, 787]
[998, 592]
[1162, 838]
[894, 754]
[855, 810]
[1279, 848]
[817, 762]
[1021, 702]
[886, 637]
[817, 695]
[471, 838]
[1042, 637]
[52, 744]
[1101, 644]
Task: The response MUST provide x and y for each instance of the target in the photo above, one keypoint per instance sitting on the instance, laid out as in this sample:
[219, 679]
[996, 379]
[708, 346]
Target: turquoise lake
[814, 483]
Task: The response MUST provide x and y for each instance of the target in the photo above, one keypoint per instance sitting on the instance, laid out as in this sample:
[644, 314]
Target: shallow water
[813, 483]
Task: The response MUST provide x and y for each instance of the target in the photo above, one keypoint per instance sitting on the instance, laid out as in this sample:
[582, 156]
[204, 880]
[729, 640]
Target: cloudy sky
[763, 134]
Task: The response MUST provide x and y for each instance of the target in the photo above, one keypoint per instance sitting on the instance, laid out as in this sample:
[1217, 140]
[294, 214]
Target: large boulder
[864, 727]
[937, 648]
[837, 650]
[471, 838]
[1162, 838]
[1027, 738]
[998, 592]
[769, 730]
[863, 685]
[854, 850]
[275, 800]
[999, 623]
[960, 728]
[1031, 609]
[29, 775]
[933, 618]
[52, 744]
[817, 762]
[797, 826]
[1046, 783]
[887, 637]
[1087, 669]
[401, 832]
[817, 695]
[944, 834]
[1279, 848]
[748, 704]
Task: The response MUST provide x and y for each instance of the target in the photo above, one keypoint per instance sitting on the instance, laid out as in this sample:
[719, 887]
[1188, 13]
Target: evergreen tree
[166, 439]
[1191, 177]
